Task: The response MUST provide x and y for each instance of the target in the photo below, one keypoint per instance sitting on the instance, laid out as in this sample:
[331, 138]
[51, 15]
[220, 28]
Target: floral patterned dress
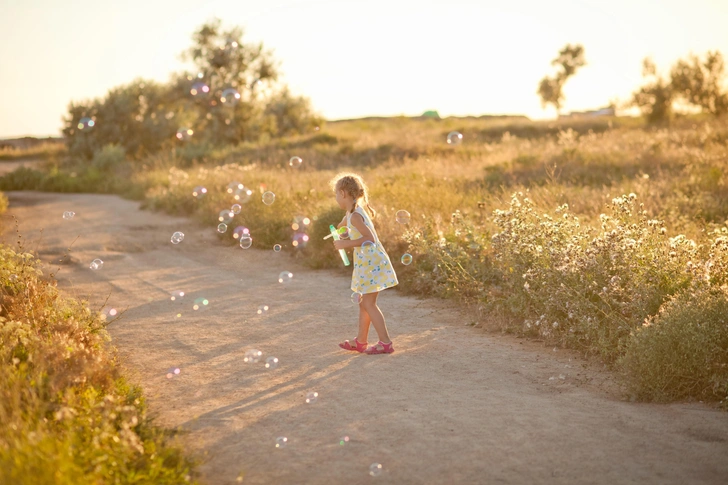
[373, 270]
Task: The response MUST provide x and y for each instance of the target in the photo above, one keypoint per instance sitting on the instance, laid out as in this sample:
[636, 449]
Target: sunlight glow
[353, 59]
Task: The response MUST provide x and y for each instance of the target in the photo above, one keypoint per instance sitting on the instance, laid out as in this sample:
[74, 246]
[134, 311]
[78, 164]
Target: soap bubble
[368, 247]
[356, 298]
[277, 248]
[281, 442]
[271, 362]
[177, 237]
[96, 264]
[200, 304]
[108, 314]
[236, 208]
[243, 195]
[240, 231]
[68, 215]
[246, 241]
[199, 192]
[233, 186]
[300, 240]
[86, 123]
[230, 97]
[175, 371]
[185, 134]
[343, 440]
[269, 197]
[285, 277]
[262, 309]
[222, 227]
[454, 138]
[252, 356]
[225, 216]
[239, 192]
[375, 469]
[199, 88]
[311, 397]
[402, 216]
[406, 259]
[177, 296]
[295, 162]
[300, 222]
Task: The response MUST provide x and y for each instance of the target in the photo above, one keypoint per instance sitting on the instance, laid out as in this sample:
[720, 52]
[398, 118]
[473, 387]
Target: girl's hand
[340, 244]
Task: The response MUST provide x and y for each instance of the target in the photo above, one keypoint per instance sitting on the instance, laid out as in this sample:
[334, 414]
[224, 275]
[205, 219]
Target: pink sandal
[360, 347]
[385, 348]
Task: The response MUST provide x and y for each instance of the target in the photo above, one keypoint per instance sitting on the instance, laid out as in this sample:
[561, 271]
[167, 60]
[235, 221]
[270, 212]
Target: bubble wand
[335, 234]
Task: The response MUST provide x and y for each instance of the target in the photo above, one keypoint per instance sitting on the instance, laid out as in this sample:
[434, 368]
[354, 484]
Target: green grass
[67, 414]
[679, 176]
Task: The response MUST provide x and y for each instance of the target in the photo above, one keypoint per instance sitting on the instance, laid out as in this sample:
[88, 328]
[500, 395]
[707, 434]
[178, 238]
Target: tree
[550, 89]
[139, 116]
[287, 114]
[225, 64]
[231, 96]
[656, 97]
[691, 81]
[701, 84]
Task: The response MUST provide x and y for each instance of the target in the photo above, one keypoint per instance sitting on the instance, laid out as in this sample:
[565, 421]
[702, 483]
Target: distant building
[608, 111]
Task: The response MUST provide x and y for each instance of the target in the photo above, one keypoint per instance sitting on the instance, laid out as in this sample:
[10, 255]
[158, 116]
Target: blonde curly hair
[353, 185]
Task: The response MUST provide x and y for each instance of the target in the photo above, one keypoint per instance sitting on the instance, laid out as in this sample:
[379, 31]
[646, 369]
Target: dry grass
[457, 196]
[41, 151]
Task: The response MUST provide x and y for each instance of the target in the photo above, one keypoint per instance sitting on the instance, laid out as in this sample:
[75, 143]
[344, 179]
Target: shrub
[108, 157]
[22, 178]
[682, 352]
[67, 415]
[584, 287]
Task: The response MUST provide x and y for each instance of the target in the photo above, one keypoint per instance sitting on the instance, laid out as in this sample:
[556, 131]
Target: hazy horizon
[352, 59]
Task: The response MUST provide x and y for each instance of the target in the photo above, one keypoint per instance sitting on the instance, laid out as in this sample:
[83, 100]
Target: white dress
[373, 270]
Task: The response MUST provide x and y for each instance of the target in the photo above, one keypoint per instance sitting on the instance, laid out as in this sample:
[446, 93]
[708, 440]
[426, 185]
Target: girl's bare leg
[369, 304]
[364, 321]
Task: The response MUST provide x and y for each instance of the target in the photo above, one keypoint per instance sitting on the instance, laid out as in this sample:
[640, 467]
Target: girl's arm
[342, 223]
[366, 235]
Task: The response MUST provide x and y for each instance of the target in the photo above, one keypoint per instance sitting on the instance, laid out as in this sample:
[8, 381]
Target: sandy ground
[453, 404]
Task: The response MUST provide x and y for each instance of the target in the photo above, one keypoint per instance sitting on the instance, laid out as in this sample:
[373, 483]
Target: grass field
[602, 234]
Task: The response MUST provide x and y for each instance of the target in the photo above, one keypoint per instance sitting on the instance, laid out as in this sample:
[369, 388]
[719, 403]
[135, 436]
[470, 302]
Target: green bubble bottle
[342, 253]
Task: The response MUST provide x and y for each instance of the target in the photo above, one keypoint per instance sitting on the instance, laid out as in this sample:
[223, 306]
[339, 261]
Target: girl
[373, 271]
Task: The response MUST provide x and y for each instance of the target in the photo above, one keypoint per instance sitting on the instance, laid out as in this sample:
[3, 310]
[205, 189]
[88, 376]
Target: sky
[351, 58]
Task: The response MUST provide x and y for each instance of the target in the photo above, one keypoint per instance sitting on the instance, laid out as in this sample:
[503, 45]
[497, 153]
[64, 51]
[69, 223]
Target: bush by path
[67, 414]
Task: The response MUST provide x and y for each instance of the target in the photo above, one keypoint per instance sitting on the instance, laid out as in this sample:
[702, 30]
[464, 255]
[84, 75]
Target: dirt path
[452, 405]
